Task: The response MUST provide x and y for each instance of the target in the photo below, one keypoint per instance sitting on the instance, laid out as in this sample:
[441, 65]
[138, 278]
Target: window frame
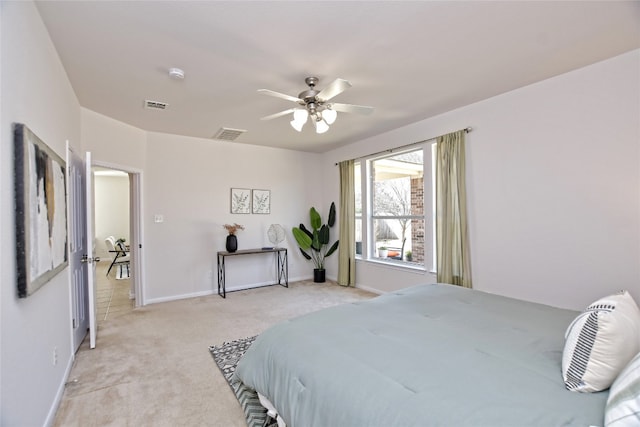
[367, 218]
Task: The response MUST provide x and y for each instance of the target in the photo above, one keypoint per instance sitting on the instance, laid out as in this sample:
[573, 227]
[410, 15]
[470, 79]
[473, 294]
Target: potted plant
[383, 252]
[408, 256]
[314, 243]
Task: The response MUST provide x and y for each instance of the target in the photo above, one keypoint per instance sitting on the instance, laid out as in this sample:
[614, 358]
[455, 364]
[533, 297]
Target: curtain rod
[402, 147]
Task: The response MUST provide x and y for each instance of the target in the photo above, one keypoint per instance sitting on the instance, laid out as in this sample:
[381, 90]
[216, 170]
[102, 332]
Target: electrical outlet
[55, 356]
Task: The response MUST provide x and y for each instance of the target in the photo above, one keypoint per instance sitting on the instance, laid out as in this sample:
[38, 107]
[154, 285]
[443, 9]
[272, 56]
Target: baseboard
[300, 278]
[228, 289]
[51, 416]
[370, 289]
[179, 297]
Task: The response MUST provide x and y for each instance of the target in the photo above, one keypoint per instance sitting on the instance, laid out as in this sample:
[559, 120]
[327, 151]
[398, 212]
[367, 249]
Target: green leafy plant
[314, 243]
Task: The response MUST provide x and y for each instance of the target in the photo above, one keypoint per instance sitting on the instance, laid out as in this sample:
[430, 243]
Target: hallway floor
[112, 294]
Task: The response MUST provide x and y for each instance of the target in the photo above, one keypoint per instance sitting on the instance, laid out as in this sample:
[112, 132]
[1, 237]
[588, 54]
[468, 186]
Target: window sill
[398, 265]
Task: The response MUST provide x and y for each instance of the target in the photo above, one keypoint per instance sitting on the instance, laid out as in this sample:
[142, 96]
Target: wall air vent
[155, 105]
[228, 134]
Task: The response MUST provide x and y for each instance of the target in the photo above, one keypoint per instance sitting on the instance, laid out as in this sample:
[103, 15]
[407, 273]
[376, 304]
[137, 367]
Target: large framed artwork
[240, 201]
[261, 201]
[41, 211]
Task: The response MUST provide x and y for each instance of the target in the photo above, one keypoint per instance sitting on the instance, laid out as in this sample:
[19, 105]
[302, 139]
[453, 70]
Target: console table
[282, 266]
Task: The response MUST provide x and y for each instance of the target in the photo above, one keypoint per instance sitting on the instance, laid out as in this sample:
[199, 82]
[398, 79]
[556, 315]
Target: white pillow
[600, 342]
[623, 405]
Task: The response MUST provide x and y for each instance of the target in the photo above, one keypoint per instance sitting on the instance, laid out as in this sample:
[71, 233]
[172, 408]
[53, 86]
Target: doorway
[117, 206]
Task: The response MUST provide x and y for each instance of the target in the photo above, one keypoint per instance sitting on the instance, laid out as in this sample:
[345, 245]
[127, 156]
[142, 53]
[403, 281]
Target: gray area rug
[227, 357]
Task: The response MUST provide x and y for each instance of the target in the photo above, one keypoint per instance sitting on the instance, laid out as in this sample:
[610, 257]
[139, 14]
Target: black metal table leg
[221, 277]
[283, 268]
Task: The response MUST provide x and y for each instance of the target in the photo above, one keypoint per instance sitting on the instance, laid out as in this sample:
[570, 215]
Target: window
[393, 207]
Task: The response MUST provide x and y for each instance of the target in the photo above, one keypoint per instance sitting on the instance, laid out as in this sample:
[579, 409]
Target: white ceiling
[410, 60]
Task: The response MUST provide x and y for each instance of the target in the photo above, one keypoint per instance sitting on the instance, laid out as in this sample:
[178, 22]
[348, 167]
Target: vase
[232, 243]
[318, 275]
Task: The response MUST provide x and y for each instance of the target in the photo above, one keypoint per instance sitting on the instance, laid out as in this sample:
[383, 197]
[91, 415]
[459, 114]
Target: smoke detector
[176, 73]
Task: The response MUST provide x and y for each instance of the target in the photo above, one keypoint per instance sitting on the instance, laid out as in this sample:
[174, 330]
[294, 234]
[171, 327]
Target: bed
[437, 355]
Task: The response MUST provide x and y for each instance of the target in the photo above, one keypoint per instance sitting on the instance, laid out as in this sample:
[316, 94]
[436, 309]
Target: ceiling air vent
[227, 134]
[155, 105]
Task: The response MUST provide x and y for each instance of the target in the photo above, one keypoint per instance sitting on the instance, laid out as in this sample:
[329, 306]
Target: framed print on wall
[41, 211]
[240, 201]
[261, 201]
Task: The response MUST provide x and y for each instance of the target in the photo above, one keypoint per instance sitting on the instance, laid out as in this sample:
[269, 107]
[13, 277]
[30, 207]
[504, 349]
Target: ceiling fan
[316, 105]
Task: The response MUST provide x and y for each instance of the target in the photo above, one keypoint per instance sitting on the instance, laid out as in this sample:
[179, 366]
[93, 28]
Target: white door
[136, 243]
[91, 270]
[77, 246]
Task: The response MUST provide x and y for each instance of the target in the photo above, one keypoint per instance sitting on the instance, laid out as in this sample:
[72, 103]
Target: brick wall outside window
[417, 226]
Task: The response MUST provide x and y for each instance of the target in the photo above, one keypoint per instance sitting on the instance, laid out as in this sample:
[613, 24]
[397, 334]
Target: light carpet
[151, 366]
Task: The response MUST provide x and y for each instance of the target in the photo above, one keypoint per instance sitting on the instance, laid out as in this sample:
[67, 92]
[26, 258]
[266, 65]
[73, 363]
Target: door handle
[86, 259]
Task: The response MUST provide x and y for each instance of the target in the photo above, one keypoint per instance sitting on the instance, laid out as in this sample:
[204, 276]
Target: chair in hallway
[120, 255]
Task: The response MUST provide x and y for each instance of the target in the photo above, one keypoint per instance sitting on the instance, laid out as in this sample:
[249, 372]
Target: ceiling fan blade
[279, 95]
[280, 114]
[335, 88]
[350, 108]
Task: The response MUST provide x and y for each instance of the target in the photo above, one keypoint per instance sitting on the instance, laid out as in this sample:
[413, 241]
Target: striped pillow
[623, 405]
[600, 342]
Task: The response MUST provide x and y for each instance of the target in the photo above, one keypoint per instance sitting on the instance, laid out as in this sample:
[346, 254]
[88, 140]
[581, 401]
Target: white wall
[112, 142]
[553, 182]
[188, 182]
[35, 91]
[111, 210]
[553, 185]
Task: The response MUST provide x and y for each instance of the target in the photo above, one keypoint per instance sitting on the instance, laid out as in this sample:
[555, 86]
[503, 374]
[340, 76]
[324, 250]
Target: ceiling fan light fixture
[321, 126]
[297, 125]
[329, 116]
[299, 119]
[316, 105]
[300, 115]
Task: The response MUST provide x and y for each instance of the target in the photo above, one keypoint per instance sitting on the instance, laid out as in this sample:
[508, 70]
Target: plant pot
[318, 275]
[382, 253]
[232, 243]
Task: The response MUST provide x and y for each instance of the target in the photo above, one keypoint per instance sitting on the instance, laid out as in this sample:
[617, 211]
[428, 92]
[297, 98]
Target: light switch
[158, 218]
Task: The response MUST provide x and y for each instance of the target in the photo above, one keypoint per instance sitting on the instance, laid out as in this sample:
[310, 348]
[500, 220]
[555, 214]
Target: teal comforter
[431, 355]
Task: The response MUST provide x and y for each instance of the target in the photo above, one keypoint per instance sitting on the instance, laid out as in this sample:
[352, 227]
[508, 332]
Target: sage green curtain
[347, 215]
[452, 237]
